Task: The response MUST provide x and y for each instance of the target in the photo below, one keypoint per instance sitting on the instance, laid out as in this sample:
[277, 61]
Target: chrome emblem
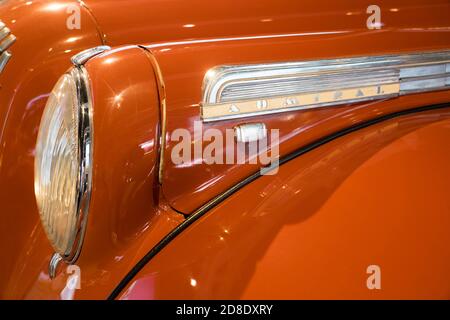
[6, 40]
[240, 91]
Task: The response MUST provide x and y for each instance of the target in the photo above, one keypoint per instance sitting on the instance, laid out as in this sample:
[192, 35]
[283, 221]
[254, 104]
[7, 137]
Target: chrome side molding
[4, 58]
[6, 40]
[240, 91]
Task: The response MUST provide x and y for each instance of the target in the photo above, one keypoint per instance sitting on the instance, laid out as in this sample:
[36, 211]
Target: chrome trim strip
[421, 84]
[82, 57]
[7, 42]
[4, 32]
[4, 58]
[239, 91]
[242, 109]
[447, 70]
[163, 112]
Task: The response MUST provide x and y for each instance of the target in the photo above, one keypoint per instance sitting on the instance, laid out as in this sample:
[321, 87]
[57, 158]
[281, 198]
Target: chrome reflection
[81, 58]
[246, 90]
[6, 41]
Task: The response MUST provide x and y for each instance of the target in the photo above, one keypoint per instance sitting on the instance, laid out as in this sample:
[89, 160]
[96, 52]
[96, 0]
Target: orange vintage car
[224, 150]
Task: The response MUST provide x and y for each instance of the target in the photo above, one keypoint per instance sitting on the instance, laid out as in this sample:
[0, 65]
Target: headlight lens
[63, 163]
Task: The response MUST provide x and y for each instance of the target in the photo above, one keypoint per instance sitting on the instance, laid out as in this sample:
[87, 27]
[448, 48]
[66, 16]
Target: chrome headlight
[63, 163]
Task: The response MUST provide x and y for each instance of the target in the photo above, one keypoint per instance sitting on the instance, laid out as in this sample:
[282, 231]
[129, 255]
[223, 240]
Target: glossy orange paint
[126, 217]
[144, 21]
[185, 64]
[126, 141]
[129, 214]
[377, 196]
[187, 45]
[40, 56]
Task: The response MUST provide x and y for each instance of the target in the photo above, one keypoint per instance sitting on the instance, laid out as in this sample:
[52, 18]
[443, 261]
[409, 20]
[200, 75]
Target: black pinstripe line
[212, 203]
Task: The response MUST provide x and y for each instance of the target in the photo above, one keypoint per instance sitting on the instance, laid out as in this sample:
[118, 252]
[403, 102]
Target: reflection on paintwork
[340, 214]
[54, 6]
[245, 39]
[296, 128]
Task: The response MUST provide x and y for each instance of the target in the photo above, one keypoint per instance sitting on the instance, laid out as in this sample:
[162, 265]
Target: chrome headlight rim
[82, 159]
[85, 138]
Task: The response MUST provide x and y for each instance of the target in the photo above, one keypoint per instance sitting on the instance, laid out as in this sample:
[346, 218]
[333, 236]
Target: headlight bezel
[86, 144]
[84, 159]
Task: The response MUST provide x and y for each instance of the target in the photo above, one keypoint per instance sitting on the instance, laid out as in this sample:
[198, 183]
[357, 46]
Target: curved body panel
[374, 197]
[145, 21]
[126, 216]
[184, 66]
[40, 55]
[150, 84]
[235, 33]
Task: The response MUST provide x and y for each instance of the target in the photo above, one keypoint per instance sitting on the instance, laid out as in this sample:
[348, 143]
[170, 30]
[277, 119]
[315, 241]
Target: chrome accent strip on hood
[4, 32]
[4, 58]
[6, 41]
[240, 91]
